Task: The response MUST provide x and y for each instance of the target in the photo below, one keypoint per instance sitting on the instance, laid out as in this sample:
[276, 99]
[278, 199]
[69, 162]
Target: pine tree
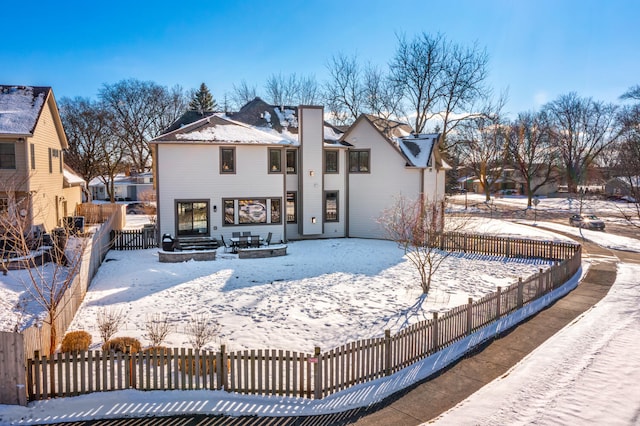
[202, 100]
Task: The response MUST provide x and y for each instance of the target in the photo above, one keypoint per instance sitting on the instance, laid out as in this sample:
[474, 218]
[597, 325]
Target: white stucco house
[286, 171]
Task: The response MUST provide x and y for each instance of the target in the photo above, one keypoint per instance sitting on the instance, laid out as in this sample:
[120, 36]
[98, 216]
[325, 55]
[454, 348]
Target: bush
[119, 344]
[76, 341]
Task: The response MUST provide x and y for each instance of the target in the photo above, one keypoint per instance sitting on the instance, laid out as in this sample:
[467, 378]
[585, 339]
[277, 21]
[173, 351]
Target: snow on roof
[418, 148]
[236, 132]
[20, 107]
[71, 177]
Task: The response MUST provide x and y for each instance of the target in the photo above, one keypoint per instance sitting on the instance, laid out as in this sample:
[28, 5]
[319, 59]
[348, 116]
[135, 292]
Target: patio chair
[224, 244]
[254, 241]
[246, 234]
[268, 240]
[244, 242]
[235, 234]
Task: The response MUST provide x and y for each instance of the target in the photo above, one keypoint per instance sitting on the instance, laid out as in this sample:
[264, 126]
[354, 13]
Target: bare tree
[50, 271]
[628, 161]
[381, 96]
[85, 124]
[419, 68]
[201, 329]
[481, 142]
[344, 94]
[529, 145]
[142, 110]
[243, 93]
[583, 128]
[417, 227]
[158, 327]
[109, 322]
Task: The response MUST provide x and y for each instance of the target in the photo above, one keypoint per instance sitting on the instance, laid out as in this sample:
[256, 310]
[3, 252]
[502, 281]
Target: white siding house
[284, 170]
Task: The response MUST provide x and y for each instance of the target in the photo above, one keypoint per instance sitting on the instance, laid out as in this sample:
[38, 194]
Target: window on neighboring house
[331, 206]
[359, 161]
[292, 161]
[7, 156]
[32, 148]
[275, 161]
[252, 211]
[60, 161]
[227, 160]
[292, 215]
[4, 205]
[192, 217]
[54, 153]
[331, 161]
[50, 161]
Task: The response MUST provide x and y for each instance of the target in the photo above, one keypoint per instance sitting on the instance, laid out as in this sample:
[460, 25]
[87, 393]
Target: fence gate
[134, 239]
[13, 379]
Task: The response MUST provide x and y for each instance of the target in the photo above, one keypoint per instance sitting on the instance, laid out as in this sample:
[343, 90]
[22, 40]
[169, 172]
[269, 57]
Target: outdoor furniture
[235, 234]
[268, 240]
[246, 234]
[243, 242]
[224, 244]
[254, 241]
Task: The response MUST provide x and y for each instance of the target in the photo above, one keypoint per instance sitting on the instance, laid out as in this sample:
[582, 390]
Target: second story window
[275, 161]
[227, 160]
[7, 156]
[359, 161]
[32, 147]
[331, 161]
[292, 163]
[4, 205]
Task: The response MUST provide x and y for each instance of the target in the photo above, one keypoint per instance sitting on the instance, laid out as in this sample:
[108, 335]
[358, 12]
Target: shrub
[76, 341]
[119, 344]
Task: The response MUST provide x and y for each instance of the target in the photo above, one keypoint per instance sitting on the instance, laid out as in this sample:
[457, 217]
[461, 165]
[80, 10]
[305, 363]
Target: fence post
[317, 374]
[435, 332]
[469, 316]
[223, 374]
[387, 352]
[520, 291]
[498, 302]
[540, 283]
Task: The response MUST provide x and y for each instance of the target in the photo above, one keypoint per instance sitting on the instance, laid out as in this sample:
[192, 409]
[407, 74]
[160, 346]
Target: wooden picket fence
[316, 375]
[134, 239]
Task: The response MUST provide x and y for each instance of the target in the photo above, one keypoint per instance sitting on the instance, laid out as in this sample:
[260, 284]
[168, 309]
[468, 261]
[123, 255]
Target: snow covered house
[286, 171]
[33, 178]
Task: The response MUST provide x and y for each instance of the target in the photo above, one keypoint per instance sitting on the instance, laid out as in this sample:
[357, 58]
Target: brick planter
[261, 252]
[183, 256]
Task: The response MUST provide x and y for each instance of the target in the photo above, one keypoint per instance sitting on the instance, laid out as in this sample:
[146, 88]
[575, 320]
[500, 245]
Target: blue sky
[538, 49]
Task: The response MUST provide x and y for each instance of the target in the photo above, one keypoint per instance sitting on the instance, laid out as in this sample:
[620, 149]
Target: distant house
[623, 186]
[127, 187]
[33, 178]
[286, 171]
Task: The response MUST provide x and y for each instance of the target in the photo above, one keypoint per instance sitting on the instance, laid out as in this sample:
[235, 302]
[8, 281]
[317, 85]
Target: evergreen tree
[202, 100]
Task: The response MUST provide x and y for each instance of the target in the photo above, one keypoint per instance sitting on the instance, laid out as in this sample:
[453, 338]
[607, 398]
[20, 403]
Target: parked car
[589, 221]
[140, 208]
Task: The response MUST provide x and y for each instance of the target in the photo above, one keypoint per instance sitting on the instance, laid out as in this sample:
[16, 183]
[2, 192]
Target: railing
[317, 375]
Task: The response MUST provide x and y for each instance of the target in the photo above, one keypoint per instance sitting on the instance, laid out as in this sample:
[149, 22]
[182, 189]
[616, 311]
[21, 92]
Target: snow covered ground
[600, 359]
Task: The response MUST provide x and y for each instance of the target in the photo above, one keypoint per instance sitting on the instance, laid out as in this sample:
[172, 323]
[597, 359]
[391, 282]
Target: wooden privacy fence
[134, 239]
[317, 375]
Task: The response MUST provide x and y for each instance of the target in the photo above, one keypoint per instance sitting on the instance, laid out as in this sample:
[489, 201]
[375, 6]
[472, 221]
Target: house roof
[416, 149]
[256, 123]
[20, 108]
[71, 178]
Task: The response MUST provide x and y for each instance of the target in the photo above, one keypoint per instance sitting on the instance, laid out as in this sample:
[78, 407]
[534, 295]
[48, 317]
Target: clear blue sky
[538, 49]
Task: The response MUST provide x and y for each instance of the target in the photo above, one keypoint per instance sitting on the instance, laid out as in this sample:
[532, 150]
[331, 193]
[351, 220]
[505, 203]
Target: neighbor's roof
[280, 122]
[20, 107]
[417, 149]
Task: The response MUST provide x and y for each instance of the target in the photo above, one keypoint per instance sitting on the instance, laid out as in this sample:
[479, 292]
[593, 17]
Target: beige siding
[16, 179]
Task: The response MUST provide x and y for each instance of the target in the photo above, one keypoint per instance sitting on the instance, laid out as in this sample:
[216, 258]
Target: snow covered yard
[323, 293]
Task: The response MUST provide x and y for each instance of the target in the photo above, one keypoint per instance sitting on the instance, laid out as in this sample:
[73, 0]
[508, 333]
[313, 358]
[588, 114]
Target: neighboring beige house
[33, 178]
[284, 170]
[127, 187]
